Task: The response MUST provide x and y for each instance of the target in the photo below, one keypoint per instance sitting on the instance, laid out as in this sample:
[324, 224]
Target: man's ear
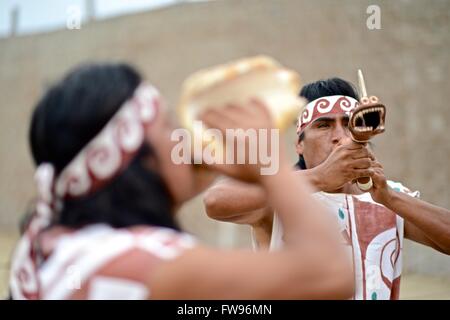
[299, 146]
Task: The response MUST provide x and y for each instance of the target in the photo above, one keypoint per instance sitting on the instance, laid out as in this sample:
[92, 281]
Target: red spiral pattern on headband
[323, 106]
[112, 149]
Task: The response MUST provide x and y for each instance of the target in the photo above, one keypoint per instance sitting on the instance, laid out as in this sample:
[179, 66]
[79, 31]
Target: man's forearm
[313, 177]
[434, 221]
[240, 202]
[230, 197]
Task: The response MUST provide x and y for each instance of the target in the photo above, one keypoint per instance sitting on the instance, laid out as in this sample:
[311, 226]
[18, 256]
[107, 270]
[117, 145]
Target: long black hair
[72, 113]
[324, 88]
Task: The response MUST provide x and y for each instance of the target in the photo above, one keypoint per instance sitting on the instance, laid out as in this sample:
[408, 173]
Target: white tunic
[95, 262]
[374, 236]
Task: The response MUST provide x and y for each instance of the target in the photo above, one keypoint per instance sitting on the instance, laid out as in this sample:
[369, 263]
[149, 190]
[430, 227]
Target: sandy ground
[413, 286]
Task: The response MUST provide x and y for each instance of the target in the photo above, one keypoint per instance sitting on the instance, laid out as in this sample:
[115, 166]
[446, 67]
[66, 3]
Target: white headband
[102, 158]
[325, 105]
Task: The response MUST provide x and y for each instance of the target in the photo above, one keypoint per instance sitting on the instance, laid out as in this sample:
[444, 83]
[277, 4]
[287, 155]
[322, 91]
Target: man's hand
[253, 115]
[380, 190]
[346, 163]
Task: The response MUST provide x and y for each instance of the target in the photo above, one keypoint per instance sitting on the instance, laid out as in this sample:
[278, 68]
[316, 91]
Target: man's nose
[339, 133]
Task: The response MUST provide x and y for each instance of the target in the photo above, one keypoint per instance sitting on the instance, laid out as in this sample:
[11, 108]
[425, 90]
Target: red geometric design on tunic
[395, 290]
[371, 220]
[134, 264]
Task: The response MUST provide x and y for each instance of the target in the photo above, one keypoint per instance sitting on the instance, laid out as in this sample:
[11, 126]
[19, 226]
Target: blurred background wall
[406, 64]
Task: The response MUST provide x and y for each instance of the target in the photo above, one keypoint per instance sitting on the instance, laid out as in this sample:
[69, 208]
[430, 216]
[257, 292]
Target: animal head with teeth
[367, 119]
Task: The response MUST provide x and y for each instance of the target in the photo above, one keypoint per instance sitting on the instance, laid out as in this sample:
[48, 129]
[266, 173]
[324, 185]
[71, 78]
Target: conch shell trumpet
[237, 82]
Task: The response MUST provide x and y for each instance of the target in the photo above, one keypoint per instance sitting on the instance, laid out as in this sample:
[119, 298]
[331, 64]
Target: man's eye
[323, 125]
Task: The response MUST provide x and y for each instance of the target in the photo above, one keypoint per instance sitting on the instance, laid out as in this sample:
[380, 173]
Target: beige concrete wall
[406, 64]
